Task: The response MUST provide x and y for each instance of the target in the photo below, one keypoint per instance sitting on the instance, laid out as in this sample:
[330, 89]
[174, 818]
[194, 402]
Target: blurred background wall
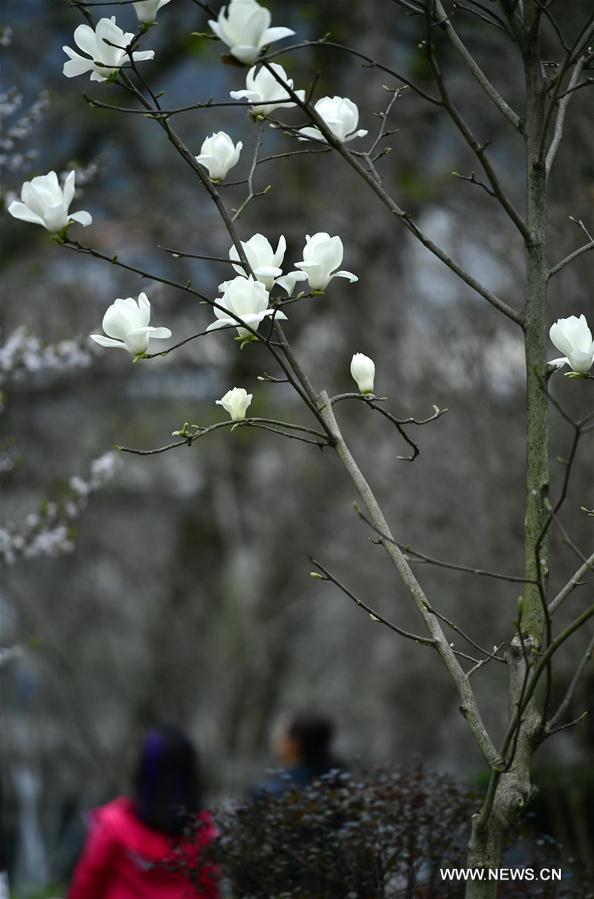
[187, 597]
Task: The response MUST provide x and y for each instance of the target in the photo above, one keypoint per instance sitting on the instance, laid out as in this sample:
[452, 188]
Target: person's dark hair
[167, 783]
[314, 733]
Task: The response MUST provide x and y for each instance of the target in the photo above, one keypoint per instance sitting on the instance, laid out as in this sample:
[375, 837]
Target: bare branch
[371, 63]
[468, 703]
[409, 551]
[478, 148]
[566, 702]
[473, 67]
[372, 612]
[189, 437]
[465, 636]
[575, 581]
[563, 103]
[576, 253]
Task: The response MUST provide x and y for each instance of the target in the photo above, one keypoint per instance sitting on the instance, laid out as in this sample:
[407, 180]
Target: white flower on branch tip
[248, 299]
[573, 337]
[236, 402]
[146, 10]
[106, 47]
[363, 372]
[265, 263]
[219, 154]
[340, 115]
[244, 26]
[44, 202]
[322, 255]
[264, 90]
[126, 324]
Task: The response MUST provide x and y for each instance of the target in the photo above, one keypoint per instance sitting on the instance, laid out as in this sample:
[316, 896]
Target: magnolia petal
[342, 274]
[108, 341]
[83, 218]
[216, 28]
[567, 334]
[245, 52]
[281, 249]
[222, 323]
[559, 363]
[361, 133]
[581, 361]
[137, 341]
[144, 307]
[68, 189]
[85, 38]
[77, 65]
[115, 322]
[55, 217]
[19, 211]
[267, 271]
[143, 55]
[244, 95]
[275, 34]
[287, 282]
[159, 333]
[278, 314]
[310, 133]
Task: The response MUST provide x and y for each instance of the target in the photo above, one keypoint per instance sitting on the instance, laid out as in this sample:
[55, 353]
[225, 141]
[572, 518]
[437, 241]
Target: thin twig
[406, 548]
[567, 699]
[372, 612]
[575, 581]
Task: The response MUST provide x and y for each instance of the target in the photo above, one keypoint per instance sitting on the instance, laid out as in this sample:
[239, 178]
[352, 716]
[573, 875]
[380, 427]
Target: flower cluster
[24, 353]
[48, 532]
[245, 301]
[14, 131]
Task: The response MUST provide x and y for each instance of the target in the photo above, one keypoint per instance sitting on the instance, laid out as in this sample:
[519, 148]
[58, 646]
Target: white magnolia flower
[236, 402]
[126, 323]
[573, 337]
[147, 10]
[45, 203]
[340, 115]
[322, 255]
[244, 26]
[219, 154]
[264, 90]
[248, 299]
[363, 372]
[264, 261]
[105, 59]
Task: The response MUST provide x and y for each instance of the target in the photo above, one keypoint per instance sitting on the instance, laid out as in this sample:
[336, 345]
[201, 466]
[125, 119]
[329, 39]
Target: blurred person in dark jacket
[304, 747]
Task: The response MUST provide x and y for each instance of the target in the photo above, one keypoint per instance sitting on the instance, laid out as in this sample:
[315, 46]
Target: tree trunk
[510, 789]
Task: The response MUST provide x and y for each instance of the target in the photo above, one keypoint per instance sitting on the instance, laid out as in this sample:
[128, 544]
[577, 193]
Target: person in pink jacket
[137, 847]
